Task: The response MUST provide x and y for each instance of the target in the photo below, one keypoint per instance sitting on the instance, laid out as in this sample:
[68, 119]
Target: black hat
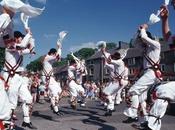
[116, 55]
[18, 34]
[52, 51]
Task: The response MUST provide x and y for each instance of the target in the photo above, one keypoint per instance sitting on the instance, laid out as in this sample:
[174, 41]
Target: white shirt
[152, 51]
[49, 60]
[12, 55]
[119, 67]
[71, 72]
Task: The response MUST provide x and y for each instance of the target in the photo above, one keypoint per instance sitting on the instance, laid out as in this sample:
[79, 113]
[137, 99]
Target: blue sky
[89, 21]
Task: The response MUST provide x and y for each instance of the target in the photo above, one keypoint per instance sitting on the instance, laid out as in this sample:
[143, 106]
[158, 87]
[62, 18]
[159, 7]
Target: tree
[35, 65]
[110, 45]
[84, 53]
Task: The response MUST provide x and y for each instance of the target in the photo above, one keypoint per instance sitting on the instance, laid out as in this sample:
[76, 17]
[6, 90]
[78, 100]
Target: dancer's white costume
[12, 71]
[118, 97]
[163, 94]
[119, 79]
[49, 79]
[5, 28]
[152, 53]
[75, 86]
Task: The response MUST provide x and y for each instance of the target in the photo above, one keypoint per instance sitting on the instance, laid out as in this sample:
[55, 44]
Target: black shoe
[144, 124]
[130, 120]
[29, 125]
[58, 113]
[108, 113]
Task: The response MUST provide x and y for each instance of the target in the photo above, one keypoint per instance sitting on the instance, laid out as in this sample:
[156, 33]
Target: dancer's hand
[143, 26]
[164, 12]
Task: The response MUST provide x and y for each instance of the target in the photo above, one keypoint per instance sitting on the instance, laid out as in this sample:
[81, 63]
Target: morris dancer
[48, 77]
[152, 74]
[80, 73]
[162, 95]
[5, 28]
[75, 87]
[9, 8]
[118, 75]
[13, 73]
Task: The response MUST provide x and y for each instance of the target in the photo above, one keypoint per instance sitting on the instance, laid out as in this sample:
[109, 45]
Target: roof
[133, 52]
[98, 54]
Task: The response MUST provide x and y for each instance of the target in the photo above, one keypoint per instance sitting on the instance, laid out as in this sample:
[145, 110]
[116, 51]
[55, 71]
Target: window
[162, 67]
[107, 71]
[91, 62]
[91, 71]
[162, 56]
[131, 71]
[131, 61]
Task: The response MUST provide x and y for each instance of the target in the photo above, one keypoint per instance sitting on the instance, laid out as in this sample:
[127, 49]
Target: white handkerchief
[102, 44]
[167, 2]
[62, 34]
[25, 19]
[153, 19]
[19, 6]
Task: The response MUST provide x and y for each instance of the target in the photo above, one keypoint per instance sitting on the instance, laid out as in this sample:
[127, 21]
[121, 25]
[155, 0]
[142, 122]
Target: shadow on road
[37, 114]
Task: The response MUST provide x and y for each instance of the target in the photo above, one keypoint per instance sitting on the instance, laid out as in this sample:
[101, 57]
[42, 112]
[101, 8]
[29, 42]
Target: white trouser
[132, 110]
[118, 98]
[156, 113]
[111, 91]
[54, 86]
[139, 88]
[163, 91]
[143, 83]
[75, 89]
[55, 91]
[27, 101]
[110, 104]
[17, 87]
[5, 110]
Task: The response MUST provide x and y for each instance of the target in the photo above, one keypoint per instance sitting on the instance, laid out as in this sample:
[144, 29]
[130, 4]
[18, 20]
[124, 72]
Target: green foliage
[84, 53]
[110, 45]
[35, 65]
[60, 63]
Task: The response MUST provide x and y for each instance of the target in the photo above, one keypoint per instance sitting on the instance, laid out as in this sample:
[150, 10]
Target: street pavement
[90, 117]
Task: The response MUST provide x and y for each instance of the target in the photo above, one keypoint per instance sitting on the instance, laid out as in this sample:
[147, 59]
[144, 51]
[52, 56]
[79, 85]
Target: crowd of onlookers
[40, 92]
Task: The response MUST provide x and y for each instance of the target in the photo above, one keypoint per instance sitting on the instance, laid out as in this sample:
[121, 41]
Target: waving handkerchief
[62, 35]
[19, 6]
[25, 19]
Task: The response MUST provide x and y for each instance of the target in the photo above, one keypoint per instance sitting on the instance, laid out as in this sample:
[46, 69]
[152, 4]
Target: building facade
[133, 60]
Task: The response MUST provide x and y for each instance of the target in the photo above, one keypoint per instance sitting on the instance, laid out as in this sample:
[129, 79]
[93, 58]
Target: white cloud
[83, 45]
[41, 1]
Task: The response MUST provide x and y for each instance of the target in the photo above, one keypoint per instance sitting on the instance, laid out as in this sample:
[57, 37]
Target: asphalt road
[89, 118]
